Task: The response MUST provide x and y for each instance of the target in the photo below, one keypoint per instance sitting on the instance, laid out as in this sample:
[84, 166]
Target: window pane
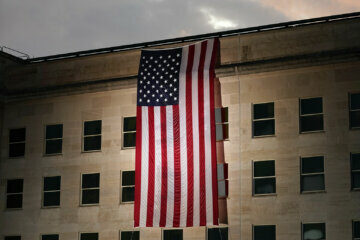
[91, 180]
[54, 131]
[17, 135]
[129, 139]
[312, 165]
[220, 171]
[92, 128]
[264, 186]
[314, 231]
[89, 236]
[221, 115]
[356, 229]
[128, 178]
[15, 186]
[222, 188]
[16, 149]
[53, 146]
[13, 238]
[355, 161]
[173, 234]
[264, 110]
[355, 101]
[264, 168]
[311, 105]
[90, 196]
[264, 233]
[355, 180]
[50, 237]
[52, 183]
[264, 127]
[355, 119]
[222, 132]
[217, 233]
[14, 201]
[92, 143]
[128, 194]
[312, 183]
[130, 235]
[312, 123]
[51, 199]
[129, 124]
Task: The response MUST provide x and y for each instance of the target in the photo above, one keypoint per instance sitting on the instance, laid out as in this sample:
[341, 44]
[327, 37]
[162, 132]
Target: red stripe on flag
[202, 169]
[151, 176]
[177, 168]
[137, 167]
[189, 134]
[164, 170]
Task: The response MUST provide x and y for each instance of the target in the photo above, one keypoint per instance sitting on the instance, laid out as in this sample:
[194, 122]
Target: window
[51, 194]
[129, 132]
[174, 234]
[355, 171]
[89, 236]
[90, 188]
[130, 235]
[313, 231]
[92, 136]
[14, 193]
[50, 237]
[354, 110]
[311, 115]
[222, 178]
[12, 238]
[312, 174]
[53, 139]
[264, 232]
[127, 186]
[263, 119]
[356, 230]
[217, 233]
[264, 181]
[222, 123]
[17, 142]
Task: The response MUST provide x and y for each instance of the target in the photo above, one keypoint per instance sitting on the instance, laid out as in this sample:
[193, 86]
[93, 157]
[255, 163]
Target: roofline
[262, 28]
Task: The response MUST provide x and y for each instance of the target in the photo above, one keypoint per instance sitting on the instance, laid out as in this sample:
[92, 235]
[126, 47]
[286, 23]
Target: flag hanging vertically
[175, 172]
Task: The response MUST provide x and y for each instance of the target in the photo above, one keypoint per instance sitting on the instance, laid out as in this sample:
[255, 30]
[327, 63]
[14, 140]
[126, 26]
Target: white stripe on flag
[158, 166]
[170, 166]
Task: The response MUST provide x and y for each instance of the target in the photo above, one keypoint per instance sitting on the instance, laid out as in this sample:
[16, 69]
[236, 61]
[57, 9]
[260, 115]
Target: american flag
[175, 172]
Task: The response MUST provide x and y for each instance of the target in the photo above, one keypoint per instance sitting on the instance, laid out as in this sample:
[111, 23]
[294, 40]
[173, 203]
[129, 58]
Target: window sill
[316, 131]
[355, 190]
[49, 207]
[313, 192]
[12, 209]
[19, 157]
[125, 148]
[126, 203]
[91, 151]
[89, 205]
[52, 155]
[263, 136]
[354, 128]
[265, 195]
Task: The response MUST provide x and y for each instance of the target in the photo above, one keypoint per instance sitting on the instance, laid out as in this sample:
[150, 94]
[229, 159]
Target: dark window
[50, 237]
[222, 175]
[12, 238]
[173, 234]
[51, 195]
[311, 115]
[266, 232]
[17, 142]
[90, 188]
[129, 132]
[312, 174]
[217, 233]
[53, 139]
[356, 230]
[222, 123]
[313, 231]
[354, 110]
[355, 170]
[127, 186]
[264, 181]
[89, 236]
[130, 235]
[263, 119]
[92, 136]
[14, 193]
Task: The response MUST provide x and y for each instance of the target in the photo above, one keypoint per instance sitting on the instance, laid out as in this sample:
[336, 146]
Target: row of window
[309, 231]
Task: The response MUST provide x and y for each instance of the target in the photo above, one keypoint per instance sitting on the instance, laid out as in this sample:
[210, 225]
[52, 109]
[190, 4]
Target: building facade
[291, 138]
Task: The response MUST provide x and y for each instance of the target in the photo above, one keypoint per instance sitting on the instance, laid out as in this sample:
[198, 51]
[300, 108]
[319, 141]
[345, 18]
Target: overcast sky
[47, 27]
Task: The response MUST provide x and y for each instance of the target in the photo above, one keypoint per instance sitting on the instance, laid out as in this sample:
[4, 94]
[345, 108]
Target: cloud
[217, 22]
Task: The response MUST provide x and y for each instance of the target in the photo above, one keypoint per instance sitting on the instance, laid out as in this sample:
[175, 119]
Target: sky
[48, 27]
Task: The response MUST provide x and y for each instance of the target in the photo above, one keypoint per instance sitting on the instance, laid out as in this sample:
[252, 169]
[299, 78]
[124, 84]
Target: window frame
[43, 194]
[253, 179]
[253, 120]
[81, 191]
[312, 114]
[302, 228]
[353, 229]
[88, 232]
[53, 139]
[353, 171]
[129, 230]
[351, 110]
[121, 187]
[166, 229]
[222, 123]
[261, 225]
[42, 234]
[93, 135]
[123, 132]
[7, 194]
[9, 143]
[214, 227]
[312, 174]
